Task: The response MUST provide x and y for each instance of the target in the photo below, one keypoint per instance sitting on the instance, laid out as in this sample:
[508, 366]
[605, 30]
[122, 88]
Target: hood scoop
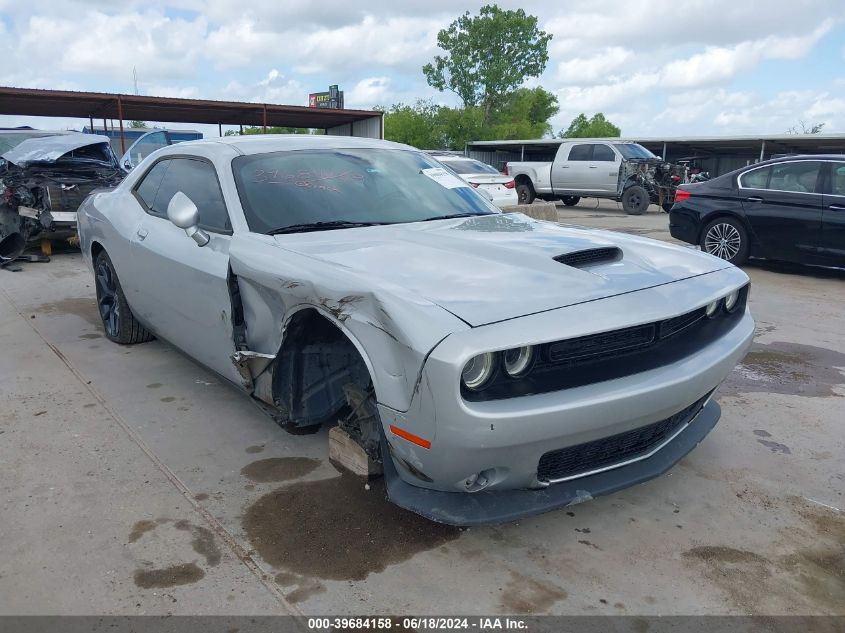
[590, 257]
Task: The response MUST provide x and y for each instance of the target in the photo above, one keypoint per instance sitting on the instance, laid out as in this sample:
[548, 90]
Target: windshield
[470, 167]
[283, 189]
[632, 150]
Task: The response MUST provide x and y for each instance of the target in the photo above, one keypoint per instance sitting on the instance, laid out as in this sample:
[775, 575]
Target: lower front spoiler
[501, 506]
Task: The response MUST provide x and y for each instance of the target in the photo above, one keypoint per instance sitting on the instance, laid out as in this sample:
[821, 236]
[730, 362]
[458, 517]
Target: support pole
[264, 123]
[664, 151]
[219, 130]
[241, 129]
[120, 120]
[762, 150]
[91, 123]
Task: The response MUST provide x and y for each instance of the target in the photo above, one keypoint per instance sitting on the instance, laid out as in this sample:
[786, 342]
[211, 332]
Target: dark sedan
[788, 209]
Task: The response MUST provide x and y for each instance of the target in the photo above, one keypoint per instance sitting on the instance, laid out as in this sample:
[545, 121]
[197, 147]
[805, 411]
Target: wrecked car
[617, 170]
[43, 178]
[496, 365]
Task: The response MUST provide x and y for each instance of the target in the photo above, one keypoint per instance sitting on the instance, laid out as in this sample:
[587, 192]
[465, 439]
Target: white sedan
[483, 177]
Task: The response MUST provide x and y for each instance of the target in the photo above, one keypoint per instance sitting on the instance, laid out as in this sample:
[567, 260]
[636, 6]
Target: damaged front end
[658, 177]
[43, 181]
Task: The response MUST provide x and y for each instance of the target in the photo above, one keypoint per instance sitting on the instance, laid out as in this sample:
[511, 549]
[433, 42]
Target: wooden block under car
[346, 452]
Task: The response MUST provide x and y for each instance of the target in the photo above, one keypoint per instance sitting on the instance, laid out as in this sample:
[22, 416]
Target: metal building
[716, 154]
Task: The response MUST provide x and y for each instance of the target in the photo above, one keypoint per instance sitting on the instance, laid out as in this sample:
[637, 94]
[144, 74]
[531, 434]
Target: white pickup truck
[621, 171]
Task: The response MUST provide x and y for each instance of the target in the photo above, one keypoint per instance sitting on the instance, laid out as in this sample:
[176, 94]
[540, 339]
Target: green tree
[813, 128]
[488, 56]
[415, 125]
[523, 114]
[138, 125]
[595, 127]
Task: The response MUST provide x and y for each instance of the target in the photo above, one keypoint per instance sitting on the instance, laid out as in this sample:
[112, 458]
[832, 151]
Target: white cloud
[594, 69]
[367, 93]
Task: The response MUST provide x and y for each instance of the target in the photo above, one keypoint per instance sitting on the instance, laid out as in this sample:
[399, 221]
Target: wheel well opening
[319, 376]
[522, 179]
[721, 215]
[96, 249]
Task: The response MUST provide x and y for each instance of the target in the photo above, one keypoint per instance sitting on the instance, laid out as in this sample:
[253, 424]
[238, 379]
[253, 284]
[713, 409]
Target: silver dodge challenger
[497, 366]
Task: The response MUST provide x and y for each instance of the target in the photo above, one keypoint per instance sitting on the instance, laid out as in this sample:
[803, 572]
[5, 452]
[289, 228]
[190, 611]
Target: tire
[635, 200]
[727, 239]
[570, 201]
[525, 193]
[119, 324]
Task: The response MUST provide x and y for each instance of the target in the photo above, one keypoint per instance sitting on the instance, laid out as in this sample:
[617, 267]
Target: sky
[654, 68]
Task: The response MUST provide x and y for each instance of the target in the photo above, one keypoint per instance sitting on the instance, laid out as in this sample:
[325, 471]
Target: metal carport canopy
[99, 105]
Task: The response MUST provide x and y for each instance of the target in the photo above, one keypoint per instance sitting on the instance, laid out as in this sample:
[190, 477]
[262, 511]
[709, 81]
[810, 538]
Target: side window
[603, 153]
[837, 179]
[197, 179]
[756, 178]
[148, 188]
[800, 176]
[580, 152]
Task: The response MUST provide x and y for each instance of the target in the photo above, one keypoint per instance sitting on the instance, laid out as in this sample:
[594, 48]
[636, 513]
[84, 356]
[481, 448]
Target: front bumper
[500, 506]
[500, 443]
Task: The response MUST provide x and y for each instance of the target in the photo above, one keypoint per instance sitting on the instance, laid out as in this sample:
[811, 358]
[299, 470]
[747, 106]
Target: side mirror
[184, 213]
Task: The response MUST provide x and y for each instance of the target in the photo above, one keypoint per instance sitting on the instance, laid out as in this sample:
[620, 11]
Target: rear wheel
[726, 238]
[570, 201]
[118, 322]
[525, 193]
[635, 200]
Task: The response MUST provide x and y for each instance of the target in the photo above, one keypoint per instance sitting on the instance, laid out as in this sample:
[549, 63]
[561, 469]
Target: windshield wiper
[321, 226]
[452, 217]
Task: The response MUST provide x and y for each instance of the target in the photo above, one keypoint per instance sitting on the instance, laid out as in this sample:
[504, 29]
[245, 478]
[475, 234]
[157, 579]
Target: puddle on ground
[526, 596]
[202, 542]
[89, 337]
[83, 307]
[787, 368]
[279, 469]
[335, 529]
[304, 587]
[183, 574]
[808, 574]
[255, 449]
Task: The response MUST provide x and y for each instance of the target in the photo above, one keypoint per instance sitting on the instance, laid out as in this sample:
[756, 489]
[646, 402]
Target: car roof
[793, 157]
[264, 143]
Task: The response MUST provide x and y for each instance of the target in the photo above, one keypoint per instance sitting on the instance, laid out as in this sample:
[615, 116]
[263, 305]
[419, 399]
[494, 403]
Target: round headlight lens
[731, 301]
[712, 308]
[478, 371]
[517, 360]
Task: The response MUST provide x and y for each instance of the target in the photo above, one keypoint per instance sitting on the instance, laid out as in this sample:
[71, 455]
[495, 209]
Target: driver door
[180, 289]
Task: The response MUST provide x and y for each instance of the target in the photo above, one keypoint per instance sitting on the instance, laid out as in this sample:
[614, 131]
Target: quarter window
[603, 153]
[799, 177]
[150, 183]
[756, 178]
[837, 179]
[581, 152]
[197, 179]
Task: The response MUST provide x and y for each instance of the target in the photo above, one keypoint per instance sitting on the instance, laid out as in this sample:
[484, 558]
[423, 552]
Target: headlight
[517, 361]
[712, 308]
[478, 370]
[731, 301]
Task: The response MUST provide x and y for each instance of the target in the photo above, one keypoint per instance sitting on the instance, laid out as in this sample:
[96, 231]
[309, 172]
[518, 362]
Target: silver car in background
[497, 365]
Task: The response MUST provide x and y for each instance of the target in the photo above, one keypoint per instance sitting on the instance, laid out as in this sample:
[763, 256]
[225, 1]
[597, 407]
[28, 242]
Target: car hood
[496, 267]
[49, 149]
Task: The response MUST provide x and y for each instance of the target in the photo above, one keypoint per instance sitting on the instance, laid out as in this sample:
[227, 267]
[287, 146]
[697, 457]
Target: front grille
[590, 256]
[598, 345]
[607, 451]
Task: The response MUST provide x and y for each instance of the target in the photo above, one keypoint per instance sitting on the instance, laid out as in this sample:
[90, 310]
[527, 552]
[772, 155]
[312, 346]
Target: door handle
[141, 233]
[754, 199]
[594, 166]
[564, 166]
[837, 207]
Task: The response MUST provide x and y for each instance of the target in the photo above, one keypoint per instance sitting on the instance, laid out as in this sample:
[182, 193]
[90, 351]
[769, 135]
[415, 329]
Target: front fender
[392, 330]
